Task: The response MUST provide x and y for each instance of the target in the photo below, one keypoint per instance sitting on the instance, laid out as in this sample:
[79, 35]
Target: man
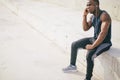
[96, 45]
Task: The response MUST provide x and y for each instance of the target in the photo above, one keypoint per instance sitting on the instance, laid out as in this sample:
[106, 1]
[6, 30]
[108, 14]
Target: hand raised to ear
[85, 12]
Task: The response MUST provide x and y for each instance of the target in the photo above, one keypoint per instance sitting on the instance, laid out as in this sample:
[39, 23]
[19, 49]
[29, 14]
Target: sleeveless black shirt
[96, 23]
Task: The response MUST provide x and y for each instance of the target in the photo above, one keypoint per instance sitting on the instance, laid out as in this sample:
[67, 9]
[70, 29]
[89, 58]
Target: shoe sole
[70, 71]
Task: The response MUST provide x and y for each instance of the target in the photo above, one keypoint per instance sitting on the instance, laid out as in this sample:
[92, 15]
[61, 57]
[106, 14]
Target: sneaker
[70, 68]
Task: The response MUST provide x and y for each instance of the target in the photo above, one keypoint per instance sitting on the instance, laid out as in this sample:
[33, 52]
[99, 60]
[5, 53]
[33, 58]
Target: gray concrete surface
[113, 7]
[26, 54]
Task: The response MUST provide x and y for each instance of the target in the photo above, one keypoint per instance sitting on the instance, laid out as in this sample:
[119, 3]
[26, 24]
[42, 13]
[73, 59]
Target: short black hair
[96, 1]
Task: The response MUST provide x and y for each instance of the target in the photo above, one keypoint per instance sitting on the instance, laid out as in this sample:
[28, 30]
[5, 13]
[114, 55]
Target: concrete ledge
[107, 65]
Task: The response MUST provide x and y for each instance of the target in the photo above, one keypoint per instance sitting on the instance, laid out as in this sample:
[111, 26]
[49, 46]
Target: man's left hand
[89, 46]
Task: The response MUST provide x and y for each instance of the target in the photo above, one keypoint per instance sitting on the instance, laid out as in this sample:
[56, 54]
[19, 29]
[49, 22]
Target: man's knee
[74, 45]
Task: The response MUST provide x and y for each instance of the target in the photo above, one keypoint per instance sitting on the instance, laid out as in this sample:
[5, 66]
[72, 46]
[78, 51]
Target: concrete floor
[26, 54]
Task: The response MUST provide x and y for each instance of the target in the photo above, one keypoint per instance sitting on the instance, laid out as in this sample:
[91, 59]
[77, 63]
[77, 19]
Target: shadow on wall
[110, 61]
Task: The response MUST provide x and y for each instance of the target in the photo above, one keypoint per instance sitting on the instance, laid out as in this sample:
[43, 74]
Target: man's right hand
[85, 12]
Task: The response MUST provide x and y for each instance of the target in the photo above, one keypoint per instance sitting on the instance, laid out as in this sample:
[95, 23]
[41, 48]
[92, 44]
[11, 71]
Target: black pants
[90, 63]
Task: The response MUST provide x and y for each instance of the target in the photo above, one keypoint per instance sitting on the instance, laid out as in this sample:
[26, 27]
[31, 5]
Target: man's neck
[97, 12]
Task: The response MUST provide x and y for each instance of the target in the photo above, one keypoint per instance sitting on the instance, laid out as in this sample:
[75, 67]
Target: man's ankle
[72, 65]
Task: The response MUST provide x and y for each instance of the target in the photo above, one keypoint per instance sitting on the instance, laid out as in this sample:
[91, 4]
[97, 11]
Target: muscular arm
[106, 20]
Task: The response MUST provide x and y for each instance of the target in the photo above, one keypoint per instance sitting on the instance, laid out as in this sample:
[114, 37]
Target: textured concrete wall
[112, 6]
[107, 65]
[73, 4]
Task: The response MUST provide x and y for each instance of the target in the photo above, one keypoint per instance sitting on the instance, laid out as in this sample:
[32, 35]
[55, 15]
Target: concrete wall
[112, 6]
[73, 4]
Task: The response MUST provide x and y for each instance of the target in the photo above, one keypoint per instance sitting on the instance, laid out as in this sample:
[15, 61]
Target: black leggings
[81, 44]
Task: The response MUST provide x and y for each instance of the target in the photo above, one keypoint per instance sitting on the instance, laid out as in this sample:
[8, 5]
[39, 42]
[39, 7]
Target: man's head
[92, 6]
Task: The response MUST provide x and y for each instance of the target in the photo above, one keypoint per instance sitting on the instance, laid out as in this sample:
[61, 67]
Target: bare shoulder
[105, 17]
